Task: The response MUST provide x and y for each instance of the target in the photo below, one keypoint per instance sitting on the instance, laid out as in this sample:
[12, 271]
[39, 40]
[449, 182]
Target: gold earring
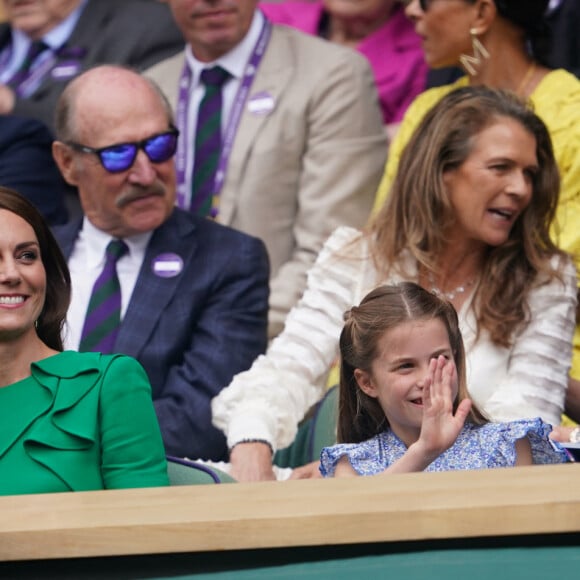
[472, 63]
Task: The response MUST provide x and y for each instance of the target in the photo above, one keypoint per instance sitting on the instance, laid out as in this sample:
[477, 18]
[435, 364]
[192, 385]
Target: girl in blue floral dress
[403, 403]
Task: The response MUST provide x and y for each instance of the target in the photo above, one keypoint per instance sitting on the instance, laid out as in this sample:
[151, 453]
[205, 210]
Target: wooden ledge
[421, 506]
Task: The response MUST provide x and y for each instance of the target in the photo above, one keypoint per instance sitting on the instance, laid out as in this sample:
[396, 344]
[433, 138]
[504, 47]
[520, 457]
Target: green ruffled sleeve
[132, 450]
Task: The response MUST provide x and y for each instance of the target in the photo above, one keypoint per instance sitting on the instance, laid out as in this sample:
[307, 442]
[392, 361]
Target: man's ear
[365, 382]
[63, 157]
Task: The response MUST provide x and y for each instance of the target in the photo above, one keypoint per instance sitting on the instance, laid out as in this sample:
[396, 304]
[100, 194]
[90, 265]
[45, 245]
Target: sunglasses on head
[117, 158]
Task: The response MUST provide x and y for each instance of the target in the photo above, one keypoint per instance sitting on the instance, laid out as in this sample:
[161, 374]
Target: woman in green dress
[69, 421]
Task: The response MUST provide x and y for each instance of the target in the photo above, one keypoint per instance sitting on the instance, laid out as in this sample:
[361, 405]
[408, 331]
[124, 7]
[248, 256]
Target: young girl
[403, 399]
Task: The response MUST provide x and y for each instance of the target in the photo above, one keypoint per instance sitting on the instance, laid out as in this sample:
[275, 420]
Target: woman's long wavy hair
[58, 286]
[360, 416]
[418, 214]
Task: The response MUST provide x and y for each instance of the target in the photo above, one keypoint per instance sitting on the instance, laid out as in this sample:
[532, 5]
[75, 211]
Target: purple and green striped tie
[35, 49]
[208, 142]
[104, 311]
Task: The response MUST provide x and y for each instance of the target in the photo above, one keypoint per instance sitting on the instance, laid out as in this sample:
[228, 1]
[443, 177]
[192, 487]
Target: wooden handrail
[501, 502]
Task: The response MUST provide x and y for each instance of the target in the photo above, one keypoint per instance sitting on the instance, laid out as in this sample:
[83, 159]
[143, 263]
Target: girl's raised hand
[440, 427]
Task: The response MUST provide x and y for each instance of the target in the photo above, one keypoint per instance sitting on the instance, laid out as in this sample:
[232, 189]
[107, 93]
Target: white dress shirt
[86, 263]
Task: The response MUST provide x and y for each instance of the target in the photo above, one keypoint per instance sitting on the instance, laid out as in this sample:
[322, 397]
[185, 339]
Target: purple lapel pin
[261, 104]
[167, 265]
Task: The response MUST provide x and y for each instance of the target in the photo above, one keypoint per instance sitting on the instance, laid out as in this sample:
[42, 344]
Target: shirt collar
[96, 241]
[236, 59]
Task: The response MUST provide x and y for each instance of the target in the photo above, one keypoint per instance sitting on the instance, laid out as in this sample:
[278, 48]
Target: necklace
[521, 90]
[452, 293]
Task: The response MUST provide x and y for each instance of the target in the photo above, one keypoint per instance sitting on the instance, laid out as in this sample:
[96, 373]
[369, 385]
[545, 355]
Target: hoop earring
[472, 63]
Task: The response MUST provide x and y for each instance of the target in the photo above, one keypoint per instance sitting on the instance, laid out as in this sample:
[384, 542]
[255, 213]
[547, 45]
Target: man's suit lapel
[67, 235]
[152, 293]
[274, 74]
[89, 22]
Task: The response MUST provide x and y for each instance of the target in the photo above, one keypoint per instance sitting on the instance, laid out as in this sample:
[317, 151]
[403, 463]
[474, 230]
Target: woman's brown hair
[58, 286]
[418, 213]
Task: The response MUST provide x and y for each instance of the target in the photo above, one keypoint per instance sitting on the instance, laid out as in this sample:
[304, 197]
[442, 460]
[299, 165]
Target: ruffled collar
[62, 415]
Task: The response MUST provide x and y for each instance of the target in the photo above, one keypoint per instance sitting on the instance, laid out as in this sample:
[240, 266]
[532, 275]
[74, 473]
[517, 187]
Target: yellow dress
[556, 100]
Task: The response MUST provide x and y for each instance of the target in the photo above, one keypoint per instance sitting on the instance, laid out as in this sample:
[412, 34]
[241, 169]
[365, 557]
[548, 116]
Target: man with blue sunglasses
[193, 294]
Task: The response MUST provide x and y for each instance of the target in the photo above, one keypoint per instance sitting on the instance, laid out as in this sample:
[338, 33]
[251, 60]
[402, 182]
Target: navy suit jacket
[193, 332]
[27, 165]
[135, 33]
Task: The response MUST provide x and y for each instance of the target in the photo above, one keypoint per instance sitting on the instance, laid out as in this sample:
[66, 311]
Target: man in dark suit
[77, 34]
[27, 166]
[194, 294]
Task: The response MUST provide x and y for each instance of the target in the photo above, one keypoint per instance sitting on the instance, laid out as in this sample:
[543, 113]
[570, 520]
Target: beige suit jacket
[312, 164]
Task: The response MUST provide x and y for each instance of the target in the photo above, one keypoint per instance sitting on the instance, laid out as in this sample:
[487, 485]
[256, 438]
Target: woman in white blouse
[467, 217]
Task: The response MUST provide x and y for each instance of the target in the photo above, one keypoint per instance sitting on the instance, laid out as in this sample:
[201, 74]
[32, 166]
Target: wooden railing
[502, 502]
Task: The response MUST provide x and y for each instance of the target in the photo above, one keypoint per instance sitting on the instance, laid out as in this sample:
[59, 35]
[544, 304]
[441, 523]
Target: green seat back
[185, 472]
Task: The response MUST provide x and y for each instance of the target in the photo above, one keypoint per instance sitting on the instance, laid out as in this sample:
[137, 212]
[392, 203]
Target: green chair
[186, 472]
[318, 430]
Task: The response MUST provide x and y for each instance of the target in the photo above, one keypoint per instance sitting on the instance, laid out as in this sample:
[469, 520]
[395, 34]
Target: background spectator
[379, 30]
[301, 139]
[68, 36]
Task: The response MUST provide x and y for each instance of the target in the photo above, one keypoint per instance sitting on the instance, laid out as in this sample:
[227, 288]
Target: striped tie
[104, 311]
[35, 49]
[208, 142]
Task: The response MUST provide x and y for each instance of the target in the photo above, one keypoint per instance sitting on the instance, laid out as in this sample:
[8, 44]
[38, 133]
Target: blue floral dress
[477, 447]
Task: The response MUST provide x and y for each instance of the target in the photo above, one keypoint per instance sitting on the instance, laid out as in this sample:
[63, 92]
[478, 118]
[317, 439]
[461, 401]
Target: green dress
[81, 421]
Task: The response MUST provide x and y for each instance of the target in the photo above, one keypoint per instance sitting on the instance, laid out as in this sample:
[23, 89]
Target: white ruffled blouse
[529, 379]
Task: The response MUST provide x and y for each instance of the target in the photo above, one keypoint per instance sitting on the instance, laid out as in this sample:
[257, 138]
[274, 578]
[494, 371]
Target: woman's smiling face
[398, 373]
[22, 277]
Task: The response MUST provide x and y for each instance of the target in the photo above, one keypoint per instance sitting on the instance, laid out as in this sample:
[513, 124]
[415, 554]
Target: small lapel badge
[167, 265]
[261, 104]
[66, 70]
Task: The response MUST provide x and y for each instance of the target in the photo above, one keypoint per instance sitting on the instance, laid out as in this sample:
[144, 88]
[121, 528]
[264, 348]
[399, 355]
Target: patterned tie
[34, 50]
[208, 142]
[104, 311]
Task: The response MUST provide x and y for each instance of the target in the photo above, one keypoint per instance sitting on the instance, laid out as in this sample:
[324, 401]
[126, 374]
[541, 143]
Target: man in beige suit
[303, 121]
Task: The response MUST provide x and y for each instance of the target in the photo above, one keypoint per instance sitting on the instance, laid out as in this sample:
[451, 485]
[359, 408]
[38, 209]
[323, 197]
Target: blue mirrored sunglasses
[117, 158]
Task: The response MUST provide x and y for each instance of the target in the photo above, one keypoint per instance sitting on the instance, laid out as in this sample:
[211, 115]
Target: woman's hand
[562, 434]
[252, 462]
[440, 427]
